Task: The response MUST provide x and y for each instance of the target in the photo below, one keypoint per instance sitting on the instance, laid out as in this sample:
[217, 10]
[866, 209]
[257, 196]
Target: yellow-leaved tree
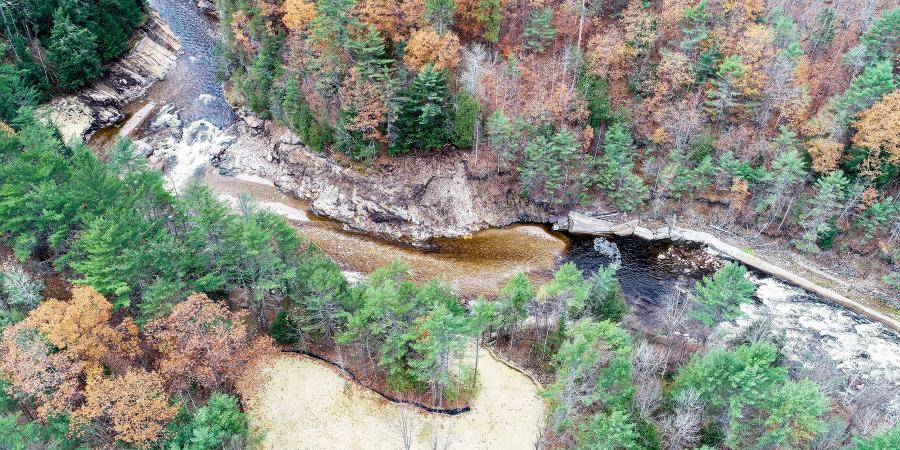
[878, 131]
[298, 13]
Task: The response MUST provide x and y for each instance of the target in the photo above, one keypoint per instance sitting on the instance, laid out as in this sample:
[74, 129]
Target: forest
[53, 46]
[177, 299]
[133, 315]
[781, 116]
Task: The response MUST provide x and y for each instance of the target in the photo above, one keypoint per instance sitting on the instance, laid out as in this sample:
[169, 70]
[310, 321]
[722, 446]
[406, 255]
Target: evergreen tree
[443, 340]
[599, 104]
[695, 25]
[217, 424]
[547, 171]
[540, 30]
[513, 303]
[569, 287]
[719, 297]
[503, 136]
[369, 54]
[882, 39]
[489, 14]
[865, 89]
[15, 92]
[439, 13]
[257, 84]
[422, 115]
[465, 120]
[615, 169]
[593, 372]
[615, 430]
[723, 97]
[823, 30]
[319, 297]
[821, 211]
[606, 301]
[73, 52]
[884, 440]
[750, 400]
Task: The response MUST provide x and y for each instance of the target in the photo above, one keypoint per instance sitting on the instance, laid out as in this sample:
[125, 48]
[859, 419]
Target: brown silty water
[477, 265]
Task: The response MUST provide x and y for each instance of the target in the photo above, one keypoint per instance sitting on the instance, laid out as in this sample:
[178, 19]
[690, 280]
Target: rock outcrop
[124, 80]
[406, 199]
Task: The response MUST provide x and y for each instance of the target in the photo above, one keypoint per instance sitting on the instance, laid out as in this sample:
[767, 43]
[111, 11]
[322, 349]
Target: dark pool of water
[644, 277]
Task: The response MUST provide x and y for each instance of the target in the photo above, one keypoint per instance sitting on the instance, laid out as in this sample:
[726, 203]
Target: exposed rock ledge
[407, 199]
[578, 223]
[124, 80]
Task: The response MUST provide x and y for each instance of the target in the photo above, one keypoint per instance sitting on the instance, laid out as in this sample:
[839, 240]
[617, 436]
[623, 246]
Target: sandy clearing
[306, 404]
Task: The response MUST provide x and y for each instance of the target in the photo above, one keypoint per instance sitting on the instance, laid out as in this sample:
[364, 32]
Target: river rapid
[192, 125]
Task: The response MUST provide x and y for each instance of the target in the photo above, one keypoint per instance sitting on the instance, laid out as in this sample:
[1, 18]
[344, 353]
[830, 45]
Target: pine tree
[719, 297]
[548, 166]
[297, 113]
[864, 90]
[15, 93]
[439, 13]
[695, 26]
[465, 120]
[513, 303]
[723, 97]
[540, 30]
[823, 30]
[503, 137]
[821, 211]
[489, 14]
[882, 39]
[422, 116]
[615, 169]
[369, 55]
[606, 301]
[73, 53]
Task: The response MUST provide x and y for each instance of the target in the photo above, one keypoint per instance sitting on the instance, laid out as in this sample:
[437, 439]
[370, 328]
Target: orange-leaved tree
[298, 13]
[84, 326]
[45, 381]
[427, 46]
[878, 132]
[206, 347]
[135, 407]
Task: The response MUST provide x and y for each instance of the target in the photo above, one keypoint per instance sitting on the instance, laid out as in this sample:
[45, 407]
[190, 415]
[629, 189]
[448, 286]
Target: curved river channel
[191, 101]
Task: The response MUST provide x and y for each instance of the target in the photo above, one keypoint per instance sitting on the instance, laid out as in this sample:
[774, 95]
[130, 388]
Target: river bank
[124, 81]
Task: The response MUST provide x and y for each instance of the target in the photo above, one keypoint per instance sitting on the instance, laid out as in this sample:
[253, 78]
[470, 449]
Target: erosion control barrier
[386, 396]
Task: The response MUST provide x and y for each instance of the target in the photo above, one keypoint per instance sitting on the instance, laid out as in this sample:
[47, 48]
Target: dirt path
[306, 404]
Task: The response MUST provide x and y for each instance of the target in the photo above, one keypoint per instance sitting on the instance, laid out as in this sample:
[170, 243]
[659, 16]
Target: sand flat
[305, 404]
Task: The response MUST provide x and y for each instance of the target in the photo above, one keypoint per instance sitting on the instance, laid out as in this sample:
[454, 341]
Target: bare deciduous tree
[441, 441]
[404, 429]
[683, 426]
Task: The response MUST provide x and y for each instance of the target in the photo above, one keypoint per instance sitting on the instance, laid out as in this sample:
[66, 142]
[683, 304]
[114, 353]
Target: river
[192, 124]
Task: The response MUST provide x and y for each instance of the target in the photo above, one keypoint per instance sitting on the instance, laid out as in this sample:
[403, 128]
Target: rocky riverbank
[125, 80]
[410, 199]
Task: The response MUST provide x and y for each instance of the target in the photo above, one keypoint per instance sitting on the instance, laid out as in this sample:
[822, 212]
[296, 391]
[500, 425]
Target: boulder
[584, 224]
